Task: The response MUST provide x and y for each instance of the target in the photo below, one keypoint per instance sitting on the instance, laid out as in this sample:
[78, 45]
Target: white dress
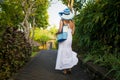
[66, 58]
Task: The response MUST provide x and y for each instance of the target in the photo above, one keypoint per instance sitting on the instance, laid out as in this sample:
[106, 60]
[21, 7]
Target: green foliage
[15, 51]
[34, 54]
[11, 14]
[88, 58]
[41, 35]
[14, 48]
[44, 35]
[108, 61]
[35, 49]
[98, 34]
[53, 30]
[44, 38]
[41, 14]
[77, 4]
[98, 23]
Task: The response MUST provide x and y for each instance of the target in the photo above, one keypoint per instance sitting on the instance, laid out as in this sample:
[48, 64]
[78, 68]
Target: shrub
[14, 52]
[98, 33]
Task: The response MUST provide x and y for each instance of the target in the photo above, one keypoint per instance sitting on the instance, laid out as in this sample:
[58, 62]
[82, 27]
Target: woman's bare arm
[72, 26]
[60, 26]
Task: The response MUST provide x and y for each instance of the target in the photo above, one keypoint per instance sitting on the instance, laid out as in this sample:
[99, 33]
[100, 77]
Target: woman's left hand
[58, 33]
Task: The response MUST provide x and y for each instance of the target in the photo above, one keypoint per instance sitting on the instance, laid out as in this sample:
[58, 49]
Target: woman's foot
[69, 71]
[65, 71]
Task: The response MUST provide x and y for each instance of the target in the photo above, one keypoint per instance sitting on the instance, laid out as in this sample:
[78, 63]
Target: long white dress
[66, 58]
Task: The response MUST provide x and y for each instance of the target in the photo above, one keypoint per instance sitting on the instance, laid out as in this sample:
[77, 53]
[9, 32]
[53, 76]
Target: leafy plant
[98, 34]
[88, 58]
[15, 51]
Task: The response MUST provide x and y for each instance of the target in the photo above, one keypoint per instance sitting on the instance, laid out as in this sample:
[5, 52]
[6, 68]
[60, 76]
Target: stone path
[41, 67]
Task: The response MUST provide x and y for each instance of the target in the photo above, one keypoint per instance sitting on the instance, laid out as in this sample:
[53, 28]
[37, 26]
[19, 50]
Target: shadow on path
[42, 67]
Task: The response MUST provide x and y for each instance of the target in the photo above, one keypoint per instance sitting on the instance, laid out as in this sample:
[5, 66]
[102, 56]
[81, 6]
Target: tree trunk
[26, 26]
[33, 31]
[70, 4]
[28, 10]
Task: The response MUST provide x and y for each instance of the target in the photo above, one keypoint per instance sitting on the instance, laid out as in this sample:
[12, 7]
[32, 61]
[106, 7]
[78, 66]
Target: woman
[66, 58]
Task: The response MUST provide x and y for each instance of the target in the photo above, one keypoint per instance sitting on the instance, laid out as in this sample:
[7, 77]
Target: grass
[34, 54]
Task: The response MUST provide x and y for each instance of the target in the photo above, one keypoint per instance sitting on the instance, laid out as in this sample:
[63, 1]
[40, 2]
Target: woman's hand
[58, 33]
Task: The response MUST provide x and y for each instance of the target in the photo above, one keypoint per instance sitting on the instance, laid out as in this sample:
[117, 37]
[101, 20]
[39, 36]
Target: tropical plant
[98, 34]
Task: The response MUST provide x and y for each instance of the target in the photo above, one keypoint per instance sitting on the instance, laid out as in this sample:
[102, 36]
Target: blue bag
[62, 36]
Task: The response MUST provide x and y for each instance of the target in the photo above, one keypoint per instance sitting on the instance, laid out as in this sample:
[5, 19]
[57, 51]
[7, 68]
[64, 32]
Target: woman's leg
[69, 71]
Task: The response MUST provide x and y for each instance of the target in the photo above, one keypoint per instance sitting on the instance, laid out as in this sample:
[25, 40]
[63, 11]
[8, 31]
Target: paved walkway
[41, 67]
